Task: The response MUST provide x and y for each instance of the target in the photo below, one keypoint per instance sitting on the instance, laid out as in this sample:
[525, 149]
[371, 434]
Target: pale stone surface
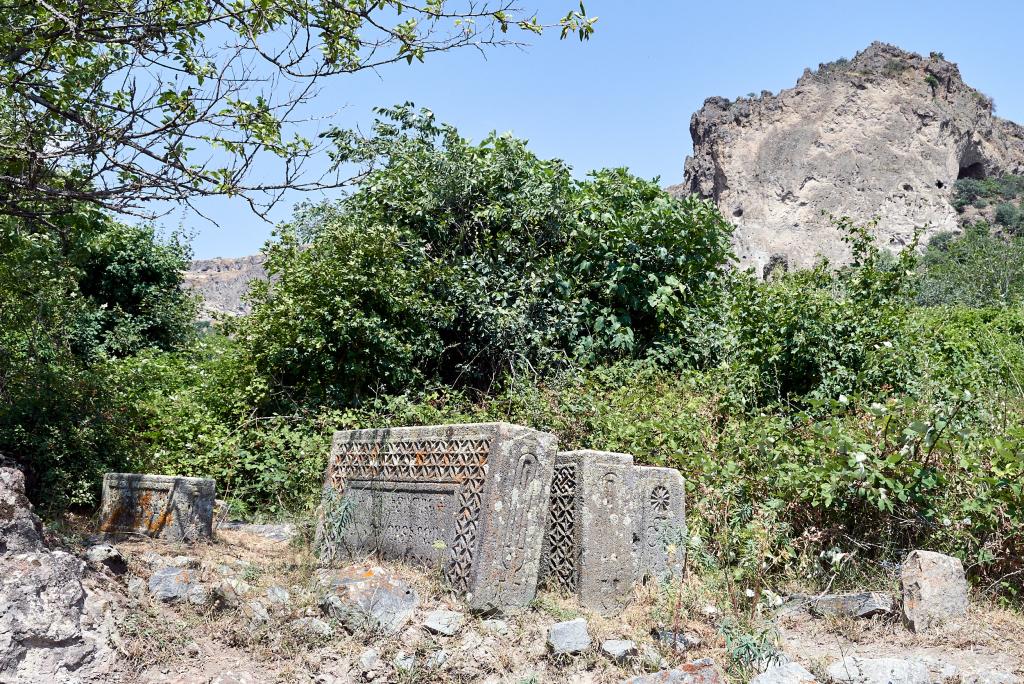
[171, 508]
[618, 650]
[365, 598]
[934, 589]
[855, 670]
[170, 584]
[787, 673]
[106, 556]
[609, 526]
[569, 637]
[311, 627]
[495, 626]
[52, 627]
[857, 604]
[444, 622]
[862, 139]
[470, 498]
[278, 595]
[701, 671]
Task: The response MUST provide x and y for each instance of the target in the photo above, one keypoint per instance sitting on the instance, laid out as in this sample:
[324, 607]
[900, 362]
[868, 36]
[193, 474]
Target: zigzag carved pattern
[460, 561]
[561, 528]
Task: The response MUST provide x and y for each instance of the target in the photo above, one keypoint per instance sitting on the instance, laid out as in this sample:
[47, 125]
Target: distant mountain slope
[883, 135]
[222, 282]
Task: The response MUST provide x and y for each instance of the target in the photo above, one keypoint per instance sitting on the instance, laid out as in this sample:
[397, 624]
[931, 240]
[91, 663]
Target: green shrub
[976, 269]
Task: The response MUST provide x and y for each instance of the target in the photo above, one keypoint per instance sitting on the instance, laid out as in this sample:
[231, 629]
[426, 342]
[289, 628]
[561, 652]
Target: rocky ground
[252, 606]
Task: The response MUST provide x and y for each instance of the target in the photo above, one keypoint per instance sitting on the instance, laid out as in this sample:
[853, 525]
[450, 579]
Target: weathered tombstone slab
[172, 508]
[607, 526]
[661, 498]
[469, 498]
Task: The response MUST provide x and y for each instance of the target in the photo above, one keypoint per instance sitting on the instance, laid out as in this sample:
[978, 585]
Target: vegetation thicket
[825, 420]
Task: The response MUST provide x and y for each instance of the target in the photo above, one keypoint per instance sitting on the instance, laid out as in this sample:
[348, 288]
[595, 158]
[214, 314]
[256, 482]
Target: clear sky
[625, 97]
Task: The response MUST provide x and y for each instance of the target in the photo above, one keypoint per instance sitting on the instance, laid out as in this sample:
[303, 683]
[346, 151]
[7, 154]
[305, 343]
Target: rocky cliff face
[222, 282]
[884, 135]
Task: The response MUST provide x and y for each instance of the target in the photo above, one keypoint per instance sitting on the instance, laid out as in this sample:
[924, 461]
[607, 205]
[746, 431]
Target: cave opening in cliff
[975, 170]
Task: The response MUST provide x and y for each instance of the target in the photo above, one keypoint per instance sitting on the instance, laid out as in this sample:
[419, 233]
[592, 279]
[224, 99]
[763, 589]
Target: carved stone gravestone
[172, 508]
[471, 499]
[609, 526]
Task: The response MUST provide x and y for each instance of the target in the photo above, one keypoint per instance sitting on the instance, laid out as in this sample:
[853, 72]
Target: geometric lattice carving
[561, 541]
[461, 498]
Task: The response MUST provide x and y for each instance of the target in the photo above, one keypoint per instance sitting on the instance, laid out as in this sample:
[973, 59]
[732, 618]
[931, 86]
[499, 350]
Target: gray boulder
[368, 599]
[311, 628]
[853, 670]
[934, 590]
[170, 584]
[787, 673]
[569, 637]
[278, 595]
[444, 622]
[51, 626]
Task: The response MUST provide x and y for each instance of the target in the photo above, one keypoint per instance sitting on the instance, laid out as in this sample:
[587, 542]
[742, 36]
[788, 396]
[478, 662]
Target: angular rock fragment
[857, 604]
[701, 671]
[106, 556]
[934, 589]
[787, 673]
[854, 670]
[170, 584]
[444, 622]
[365, 598]
[619, 650]
[569, 637]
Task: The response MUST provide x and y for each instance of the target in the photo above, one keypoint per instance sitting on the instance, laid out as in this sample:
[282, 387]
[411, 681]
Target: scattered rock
[405, 661]
[991, 677]
[787, 673]
[853, 670]
[680, 641]
[137, 587]
[106, 556]
[185, 562]
[437, 659]
[278, 595]
[311, 627]
[278, 533]
[170, 584]
[857, 604]
[368, 598]
[444, 622]
[569, 637]
[494, 626]
[652, 659]
[934, 589]
[228, 593]
[257, 613]
[200, 596]
[369, 659]
[618, 650]
[701, 671]
[235, 677]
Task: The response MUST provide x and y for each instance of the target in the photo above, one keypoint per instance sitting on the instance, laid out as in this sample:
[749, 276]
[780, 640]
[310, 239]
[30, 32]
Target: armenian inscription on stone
[172, 508]
[610, 525]
[471, 499]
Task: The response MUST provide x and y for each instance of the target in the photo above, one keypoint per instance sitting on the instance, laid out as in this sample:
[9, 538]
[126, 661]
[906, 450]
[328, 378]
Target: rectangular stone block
[661, 498]
[471, 499]
[610, 524]
[172, 508]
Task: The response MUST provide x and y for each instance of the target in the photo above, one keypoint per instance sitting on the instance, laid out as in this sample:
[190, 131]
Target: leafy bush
[976, 269]
[461, 263]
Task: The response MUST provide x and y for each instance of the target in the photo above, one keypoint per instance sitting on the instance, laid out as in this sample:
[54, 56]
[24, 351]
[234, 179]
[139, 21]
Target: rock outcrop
[223, 282]
[883, 135]
[53, 628]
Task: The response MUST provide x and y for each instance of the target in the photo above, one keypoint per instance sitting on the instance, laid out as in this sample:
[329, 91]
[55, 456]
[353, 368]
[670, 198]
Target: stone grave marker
[172, 508]
[471, 499]
[608, 526]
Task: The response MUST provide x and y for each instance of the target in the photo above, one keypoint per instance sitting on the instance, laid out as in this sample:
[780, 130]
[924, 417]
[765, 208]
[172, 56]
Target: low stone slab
[858, 604]
[853, 670]
[934, 589]
[172, 584]
[469, 498]
[619, 650]
[444, 622]
[172, 508]
[787, 673]
[609, 526]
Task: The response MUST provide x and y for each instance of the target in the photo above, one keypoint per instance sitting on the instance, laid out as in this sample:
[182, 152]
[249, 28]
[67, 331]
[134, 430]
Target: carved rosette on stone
[172, 508]
[610, 524]
[469, 498]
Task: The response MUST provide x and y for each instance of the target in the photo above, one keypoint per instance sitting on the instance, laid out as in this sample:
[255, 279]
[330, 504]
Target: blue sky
[625, 97]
